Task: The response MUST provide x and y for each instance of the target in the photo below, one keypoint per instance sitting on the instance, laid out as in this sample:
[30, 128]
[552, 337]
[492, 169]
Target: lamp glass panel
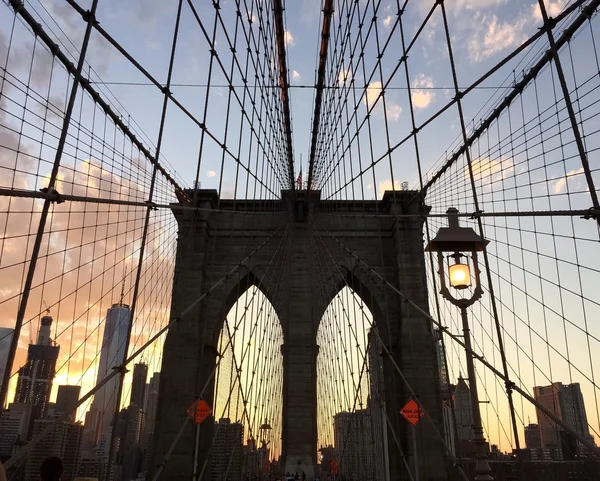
[460, 276]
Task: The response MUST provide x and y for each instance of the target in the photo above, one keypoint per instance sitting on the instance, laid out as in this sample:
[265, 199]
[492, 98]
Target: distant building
[14, 425]
[35, 377]
[147, 438]
[6, 335]
[112, 354]
[227, 455]
[353, 437]
[138, 385]
[64, 441]
[129, 455]
[66, 400]
[565, 401]
[532, 436]
[463, 411]
[328, 455]
[377, 407]
[91, 430]
[90, 467]
[448, 417]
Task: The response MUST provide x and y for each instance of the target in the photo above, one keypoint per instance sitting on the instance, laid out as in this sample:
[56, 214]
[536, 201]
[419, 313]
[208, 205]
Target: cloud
[422, 98]
[496, 37]
[553, 8]
[372, 94]
[387, 185]
[289, 38]
[387, 21]
[478, 4]
[345, 77]
[371, 100]
[296, 75]
[393, 111]
[559, 186]
[211, 173]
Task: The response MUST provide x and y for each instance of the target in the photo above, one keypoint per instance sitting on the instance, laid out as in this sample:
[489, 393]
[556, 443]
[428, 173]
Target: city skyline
[100, 262]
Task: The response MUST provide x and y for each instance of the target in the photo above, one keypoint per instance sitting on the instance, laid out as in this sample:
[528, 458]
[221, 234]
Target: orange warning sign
[412, 412]
[199, 411]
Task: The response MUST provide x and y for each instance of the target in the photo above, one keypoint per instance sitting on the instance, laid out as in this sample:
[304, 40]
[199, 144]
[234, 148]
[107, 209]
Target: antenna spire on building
[123, 287]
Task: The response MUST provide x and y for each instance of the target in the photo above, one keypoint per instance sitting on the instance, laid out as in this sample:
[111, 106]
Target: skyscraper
[66, 400]
[138, 385]
[228, 451]
[147, 439]
[463, 411]
[353, 438]
[565, 401]
[14, 424]
[532, 436]
[112, 354]
[6, 335]
[35, 377]
[63, 441]
[377, 407]
[130, 455]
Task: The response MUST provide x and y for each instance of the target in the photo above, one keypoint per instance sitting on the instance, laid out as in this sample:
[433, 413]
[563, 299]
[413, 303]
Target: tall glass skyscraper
[112, 354]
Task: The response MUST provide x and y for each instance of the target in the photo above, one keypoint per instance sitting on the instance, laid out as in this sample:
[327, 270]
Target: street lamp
[265, 431]
[457, 249]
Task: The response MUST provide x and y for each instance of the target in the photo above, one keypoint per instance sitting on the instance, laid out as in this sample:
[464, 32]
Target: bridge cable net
[522, 172]
[86, 222]
[88, 233]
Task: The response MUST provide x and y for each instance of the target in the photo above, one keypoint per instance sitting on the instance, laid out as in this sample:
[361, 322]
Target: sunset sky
[545, 270]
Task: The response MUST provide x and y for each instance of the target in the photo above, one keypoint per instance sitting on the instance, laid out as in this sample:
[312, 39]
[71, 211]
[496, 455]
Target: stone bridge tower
[213, 240]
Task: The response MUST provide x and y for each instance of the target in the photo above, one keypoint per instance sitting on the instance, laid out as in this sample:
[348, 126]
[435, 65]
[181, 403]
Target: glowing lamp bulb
[460, 276]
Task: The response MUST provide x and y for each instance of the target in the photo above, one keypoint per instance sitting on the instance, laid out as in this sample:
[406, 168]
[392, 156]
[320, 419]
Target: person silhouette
[51, 469]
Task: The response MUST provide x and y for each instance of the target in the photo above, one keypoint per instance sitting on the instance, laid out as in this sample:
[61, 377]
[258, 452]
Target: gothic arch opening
[351, 422]
[248, 393]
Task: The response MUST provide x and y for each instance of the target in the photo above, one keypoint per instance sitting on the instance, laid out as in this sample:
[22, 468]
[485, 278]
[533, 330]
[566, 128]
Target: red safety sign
[199, 411]
[412, 412]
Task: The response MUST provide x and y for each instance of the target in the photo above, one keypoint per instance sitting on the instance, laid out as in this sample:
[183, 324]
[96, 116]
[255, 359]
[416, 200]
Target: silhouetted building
[6, 335]
[463, 411]
[227, 454]
[112, 354]
[377, 407]
[129, 455]
[66, 400]
[64, 441]
[138, 385]
[14, 424]
[353, 438]
[35, 377]
[328, 454]
[91, 430]
[448, 417]
[147, 438]
[90, 467]
[565, 401]
[532, 436]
